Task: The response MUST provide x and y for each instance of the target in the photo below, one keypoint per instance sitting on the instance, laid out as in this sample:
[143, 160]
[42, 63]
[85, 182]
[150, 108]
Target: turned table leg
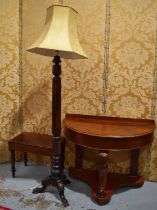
[102, 175]
[78, 156]
[134, 158]
[13, 162]
[25, 158]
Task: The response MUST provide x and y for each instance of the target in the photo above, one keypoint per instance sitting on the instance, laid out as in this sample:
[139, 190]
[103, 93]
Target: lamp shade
[59, 35]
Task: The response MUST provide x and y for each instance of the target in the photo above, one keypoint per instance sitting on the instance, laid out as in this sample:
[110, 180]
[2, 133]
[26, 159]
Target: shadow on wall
[37, 108]
[34, 114]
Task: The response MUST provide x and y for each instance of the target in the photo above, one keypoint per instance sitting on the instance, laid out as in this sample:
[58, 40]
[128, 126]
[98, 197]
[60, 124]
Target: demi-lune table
[104, 134]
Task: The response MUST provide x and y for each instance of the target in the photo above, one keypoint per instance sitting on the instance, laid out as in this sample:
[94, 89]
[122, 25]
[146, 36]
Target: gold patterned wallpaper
[131, 67]
[129, 80]
[9, 74]
[130, 72]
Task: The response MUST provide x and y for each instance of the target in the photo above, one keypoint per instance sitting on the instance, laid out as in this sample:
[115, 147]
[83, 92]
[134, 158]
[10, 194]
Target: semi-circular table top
[101, 132]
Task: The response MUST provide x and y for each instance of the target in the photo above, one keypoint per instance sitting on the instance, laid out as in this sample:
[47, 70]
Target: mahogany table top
[100, 132]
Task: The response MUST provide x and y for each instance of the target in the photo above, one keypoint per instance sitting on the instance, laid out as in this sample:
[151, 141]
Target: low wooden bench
[35, 143]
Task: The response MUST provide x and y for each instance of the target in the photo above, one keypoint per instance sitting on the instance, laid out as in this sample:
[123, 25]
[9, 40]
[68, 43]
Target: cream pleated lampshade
[59, 35]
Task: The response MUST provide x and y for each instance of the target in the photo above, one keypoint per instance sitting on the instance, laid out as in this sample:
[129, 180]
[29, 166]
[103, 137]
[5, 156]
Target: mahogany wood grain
[32, 142]
[102, 178]
[108, 132]
[103, 134]
[114, 181]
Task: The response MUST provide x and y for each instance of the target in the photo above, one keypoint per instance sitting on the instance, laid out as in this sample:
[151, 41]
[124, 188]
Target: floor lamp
[59, 40]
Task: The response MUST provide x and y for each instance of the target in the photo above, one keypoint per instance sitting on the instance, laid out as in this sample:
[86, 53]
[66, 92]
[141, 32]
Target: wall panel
[9, 74]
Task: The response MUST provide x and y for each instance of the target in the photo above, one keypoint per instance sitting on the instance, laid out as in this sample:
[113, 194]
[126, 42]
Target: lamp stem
[57, 162]
[56, 117]
[56, 178]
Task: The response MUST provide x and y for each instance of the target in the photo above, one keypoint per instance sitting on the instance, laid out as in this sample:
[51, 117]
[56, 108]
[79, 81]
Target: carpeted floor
[17, 193]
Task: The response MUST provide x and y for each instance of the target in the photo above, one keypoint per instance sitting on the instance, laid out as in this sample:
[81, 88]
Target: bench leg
[13, 162]
[78, 156]
[25, 158]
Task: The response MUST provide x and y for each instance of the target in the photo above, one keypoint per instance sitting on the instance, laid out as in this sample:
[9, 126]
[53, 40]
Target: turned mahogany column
[56, 118]
[56, 178]
[102, 180]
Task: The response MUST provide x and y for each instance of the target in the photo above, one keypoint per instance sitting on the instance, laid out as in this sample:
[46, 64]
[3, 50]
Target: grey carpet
[17, 193]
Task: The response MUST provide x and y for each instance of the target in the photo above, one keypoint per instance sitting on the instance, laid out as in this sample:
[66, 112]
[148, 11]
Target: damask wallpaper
[130, 73]
[9, 74]
[133, 25]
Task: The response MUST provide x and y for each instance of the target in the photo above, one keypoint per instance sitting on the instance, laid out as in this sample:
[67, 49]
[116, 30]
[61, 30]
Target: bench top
[32, 139]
